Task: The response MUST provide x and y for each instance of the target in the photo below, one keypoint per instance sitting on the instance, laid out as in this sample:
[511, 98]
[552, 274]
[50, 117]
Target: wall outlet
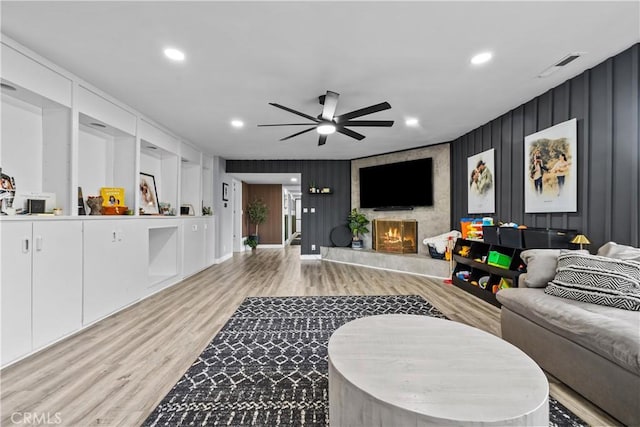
[313, 247]
[313, 210]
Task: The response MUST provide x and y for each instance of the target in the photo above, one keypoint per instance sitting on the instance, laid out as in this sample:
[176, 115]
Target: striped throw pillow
[597, 280]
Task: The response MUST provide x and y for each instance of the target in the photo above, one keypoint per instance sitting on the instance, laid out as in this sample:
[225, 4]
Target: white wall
[224, 229]
[22, 143]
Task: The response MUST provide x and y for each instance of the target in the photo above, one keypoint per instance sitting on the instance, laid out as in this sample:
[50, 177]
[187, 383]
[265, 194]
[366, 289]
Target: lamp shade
[581, 239]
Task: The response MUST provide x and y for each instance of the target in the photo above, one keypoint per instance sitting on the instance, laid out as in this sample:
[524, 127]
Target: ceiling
[242, 55]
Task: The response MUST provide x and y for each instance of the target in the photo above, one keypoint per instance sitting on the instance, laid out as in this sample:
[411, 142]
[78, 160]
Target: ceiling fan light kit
[327, 122]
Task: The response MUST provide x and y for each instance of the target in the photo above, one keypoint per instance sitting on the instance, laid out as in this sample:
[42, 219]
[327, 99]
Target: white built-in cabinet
[115, 266]
[64, 273]
[41, 284]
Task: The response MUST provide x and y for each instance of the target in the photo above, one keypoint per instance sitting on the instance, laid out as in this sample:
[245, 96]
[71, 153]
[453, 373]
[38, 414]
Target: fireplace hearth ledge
[404, 263]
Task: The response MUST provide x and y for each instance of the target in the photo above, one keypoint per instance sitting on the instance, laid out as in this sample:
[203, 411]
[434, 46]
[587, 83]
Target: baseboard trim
[310, 257]
[223, 258]
[278, 246]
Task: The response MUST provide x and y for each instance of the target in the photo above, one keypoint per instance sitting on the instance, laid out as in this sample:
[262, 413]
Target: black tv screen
[397, 185]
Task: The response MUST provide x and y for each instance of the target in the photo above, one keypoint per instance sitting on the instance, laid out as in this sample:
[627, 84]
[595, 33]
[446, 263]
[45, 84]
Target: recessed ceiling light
[6, 86]
[174, 54]
[98, 125]
[326, 129]
[294, 179]
[481, 58]
[411, 121]
[237, 123]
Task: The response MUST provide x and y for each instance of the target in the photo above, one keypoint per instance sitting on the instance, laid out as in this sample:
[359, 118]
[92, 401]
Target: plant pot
[356, 244]
[255, 237]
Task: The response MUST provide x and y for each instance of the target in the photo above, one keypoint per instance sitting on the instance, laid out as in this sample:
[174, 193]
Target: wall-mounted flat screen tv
[397, 185]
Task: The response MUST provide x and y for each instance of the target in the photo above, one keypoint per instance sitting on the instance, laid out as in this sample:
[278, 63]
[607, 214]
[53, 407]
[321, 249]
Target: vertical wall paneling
[330, 210]
[605, 100]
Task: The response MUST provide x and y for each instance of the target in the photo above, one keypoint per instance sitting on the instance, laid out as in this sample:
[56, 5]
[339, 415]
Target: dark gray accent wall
[331, 210]
[606, 102]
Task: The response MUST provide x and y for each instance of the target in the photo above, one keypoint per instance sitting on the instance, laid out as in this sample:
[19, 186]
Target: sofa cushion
[614, 250]
[598, 280]
[541, 266]
[609, 332]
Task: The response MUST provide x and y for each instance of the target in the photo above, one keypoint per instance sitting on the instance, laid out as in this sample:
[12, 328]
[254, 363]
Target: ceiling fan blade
[306, 116]
[351, 133]
[375, 123]
[298, 133]
[288, 124]
[330, 104]
[322, 140]
[363, 112]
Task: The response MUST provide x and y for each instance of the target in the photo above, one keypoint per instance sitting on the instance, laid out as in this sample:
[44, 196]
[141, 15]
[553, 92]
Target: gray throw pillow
[541, 266]
[614, 250]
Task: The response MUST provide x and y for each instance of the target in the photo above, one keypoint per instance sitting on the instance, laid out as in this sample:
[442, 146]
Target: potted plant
[358, 225]
[251, 242]
[257, 211]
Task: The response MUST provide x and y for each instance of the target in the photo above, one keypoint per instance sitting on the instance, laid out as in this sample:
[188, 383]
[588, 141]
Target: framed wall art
[481, 188]
[550, 167]
[225, 192]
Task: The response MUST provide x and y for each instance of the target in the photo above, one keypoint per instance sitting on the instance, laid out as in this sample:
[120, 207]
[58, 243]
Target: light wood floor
[117, 371]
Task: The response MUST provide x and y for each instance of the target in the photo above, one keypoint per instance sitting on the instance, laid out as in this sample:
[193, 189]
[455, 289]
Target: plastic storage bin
[491, 234]
[544, 238]
[497, 259]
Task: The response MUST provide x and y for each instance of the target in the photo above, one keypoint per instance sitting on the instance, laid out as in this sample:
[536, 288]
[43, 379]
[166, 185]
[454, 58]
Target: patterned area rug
[268, 364]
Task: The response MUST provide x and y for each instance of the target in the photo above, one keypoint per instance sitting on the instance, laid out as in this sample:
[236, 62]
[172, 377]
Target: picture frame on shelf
[225, 192]
[148, 195]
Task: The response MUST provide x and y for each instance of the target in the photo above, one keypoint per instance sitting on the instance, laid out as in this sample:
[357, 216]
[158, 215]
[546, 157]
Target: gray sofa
[594, 349]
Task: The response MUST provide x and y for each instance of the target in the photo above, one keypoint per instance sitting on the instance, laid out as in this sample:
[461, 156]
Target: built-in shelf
[163, 254]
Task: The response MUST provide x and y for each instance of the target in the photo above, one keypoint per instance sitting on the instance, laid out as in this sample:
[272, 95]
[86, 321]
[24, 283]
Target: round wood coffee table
[396, 370]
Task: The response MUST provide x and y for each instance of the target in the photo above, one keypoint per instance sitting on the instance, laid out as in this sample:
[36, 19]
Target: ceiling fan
[327, 122]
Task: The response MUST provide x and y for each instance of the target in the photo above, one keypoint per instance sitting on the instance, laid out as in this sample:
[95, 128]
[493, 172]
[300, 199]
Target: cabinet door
[193, 246]
[115, 262]
[57, 280]
[15, 297]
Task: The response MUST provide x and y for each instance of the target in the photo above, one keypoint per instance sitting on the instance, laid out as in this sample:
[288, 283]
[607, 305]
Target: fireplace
[396, 236]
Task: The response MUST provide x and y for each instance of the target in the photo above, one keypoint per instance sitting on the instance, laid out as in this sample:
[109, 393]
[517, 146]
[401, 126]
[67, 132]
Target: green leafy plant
[251, 242]
[357, 223]
[258, 211]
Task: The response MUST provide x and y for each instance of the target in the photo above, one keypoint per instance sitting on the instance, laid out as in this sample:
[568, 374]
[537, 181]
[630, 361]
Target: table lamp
[581, 240]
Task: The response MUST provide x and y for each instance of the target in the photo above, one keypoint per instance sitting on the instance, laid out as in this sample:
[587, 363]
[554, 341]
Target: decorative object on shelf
[206, 210]
[251, 242]
[225, 192]
[481, 195]
[7, 193]
[581, 240]
[95, 205]
[114, 210]
[257, 212]
[57, 211]
[81, 210]
[357, 222]
[312, 188]
[112, 196]
[148, 195]
[187, 210]
[551, 169]
[165, 209]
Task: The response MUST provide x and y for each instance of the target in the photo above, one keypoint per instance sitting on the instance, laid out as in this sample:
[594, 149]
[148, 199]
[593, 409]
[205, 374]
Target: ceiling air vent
[563, 62]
